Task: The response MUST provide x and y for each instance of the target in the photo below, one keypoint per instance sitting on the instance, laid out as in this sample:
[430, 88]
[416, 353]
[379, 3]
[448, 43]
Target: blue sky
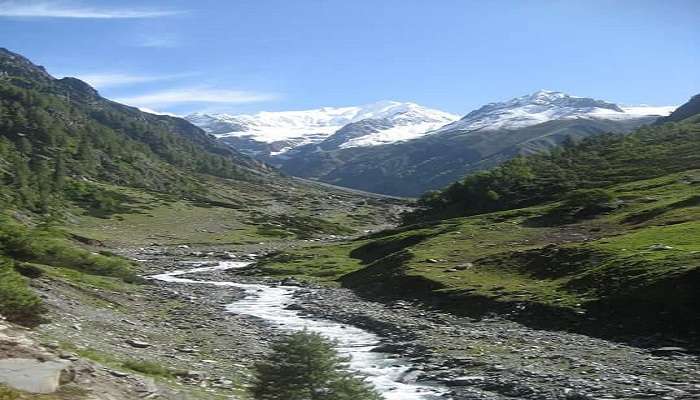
[244, 56]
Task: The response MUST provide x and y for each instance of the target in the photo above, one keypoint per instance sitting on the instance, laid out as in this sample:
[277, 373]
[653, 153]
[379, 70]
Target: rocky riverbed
[186, 328]
[499, 359]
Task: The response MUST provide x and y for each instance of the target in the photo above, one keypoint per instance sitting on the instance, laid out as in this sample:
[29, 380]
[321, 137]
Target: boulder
[466, 381]
[34, 376]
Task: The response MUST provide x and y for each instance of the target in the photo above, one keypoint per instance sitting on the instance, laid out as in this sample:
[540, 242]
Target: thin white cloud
[103, 80]
[196, 95]
[60, 9]
[159, 42]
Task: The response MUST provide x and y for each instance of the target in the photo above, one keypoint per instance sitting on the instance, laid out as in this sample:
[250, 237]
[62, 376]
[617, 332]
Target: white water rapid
[388, 373]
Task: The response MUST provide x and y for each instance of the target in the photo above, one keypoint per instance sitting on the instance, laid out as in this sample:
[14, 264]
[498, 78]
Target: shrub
[304, 366]
[18, 303]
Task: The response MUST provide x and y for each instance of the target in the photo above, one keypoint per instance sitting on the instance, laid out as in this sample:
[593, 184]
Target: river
[391, 375]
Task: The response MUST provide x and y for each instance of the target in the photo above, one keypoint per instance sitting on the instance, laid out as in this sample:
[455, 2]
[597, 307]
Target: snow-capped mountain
[543, 106]
[483, 138]
[278, 132]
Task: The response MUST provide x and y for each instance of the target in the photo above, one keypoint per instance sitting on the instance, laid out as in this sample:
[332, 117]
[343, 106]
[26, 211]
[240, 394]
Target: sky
[245, 56]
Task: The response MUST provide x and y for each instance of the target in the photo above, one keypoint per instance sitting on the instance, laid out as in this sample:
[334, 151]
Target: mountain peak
[547, 94]
[547, 105]
[13, 64]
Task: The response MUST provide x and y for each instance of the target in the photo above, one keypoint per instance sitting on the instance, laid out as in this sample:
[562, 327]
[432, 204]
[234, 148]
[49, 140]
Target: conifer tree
[43, 184]
[304, 366]
[59, 173]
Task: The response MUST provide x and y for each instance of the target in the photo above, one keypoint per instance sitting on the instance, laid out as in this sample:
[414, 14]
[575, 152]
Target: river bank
[186, 328]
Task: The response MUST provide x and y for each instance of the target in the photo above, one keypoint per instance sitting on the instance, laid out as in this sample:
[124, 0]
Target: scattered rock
[466, 381]
[659, 247]
[464, 266]
[193, 375]
[138, 344]
[118, 374]
[186, 350]
[668, 351]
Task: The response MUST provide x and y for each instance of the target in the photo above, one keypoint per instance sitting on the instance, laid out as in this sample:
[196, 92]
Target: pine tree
[22, 174]
[43, 183]
[59, 173]
[304, 366]
[86, 156]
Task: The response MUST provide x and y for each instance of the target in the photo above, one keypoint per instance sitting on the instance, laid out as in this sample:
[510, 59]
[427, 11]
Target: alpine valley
[143, 257]
[404, 149]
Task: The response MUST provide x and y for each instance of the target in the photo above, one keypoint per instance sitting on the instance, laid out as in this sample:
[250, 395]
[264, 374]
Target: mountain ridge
[284, 130]
[407, 163]
[546, 105]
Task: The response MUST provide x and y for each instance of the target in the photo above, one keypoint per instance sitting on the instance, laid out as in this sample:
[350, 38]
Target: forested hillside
[56, 134]
[595, 162]
[77, 169]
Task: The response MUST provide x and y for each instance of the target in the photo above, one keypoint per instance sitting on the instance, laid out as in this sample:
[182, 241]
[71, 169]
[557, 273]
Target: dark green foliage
[595, 162]
[30, 271]
[23, 248]
[56, 130]
[582, 203]
[42, 245]
[304, 366]
[96, 200]
[18, 303]
[636, 218]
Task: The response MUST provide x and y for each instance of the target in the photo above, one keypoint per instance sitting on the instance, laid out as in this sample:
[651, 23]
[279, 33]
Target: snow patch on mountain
[545, 105]
[296, 128]
[398, 133]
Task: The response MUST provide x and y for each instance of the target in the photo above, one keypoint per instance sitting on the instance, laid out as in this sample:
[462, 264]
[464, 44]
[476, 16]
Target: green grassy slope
[232, 213]
[638, 265]
[630, 267]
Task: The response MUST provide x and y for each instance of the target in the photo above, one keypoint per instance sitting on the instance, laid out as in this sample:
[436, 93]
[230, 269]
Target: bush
[28, 270]
[18, 303]
[587, 202]
[304, 366]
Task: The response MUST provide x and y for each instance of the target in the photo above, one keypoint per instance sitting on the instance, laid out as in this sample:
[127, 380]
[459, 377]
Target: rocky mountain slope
[483, 138]
[268, 134]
